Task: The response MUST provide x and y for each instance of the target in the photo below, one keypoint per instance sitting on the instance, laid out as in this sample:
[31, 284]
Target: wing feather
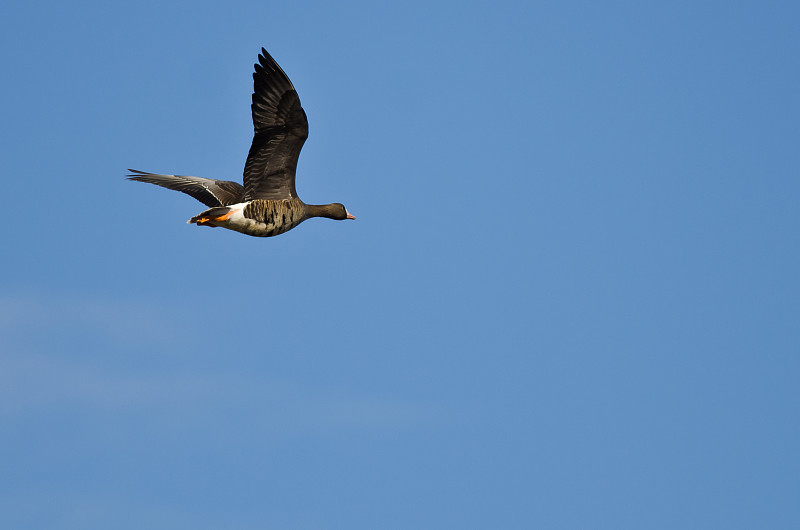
[281, 128]
[208, 191]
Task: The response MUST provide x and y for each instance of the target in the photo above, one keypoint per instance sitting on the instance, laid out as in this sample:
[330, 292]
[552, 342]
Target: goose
[267, 205]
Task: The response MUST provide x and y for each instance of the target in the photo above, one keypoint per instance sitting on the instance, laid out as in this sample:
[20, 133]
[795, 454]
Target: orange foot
[208, 220]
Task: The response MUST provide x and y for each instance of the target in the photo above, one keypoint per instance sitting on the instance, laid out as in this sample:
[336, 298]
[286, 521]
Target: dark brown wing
[208, 191]
[281, 128]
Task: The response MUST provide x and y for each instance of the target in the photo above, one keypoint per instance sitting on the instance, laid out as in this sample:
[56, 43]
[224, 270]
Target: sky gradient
[570, 298]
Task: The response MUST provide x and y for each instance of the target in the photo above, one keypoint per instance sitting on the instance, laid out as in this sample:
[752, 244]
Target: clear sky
[570, 298]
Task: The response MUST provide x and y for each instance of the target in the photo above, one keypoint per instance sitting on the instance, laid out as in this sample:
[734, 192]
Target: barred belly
[265, 218]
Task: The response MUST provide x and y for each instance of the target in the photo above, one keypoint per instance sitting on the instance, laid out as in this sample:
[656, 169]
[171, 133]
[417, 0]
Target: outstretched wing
[208, 191]
[281, 128]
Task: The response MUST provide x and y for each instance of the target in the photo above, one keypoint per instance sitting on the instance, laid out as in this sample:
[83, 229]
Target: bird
[267, 204]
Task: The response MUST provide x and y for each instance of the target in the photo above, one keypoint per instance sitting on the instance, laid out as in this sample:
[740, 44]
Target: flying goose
[267, 204]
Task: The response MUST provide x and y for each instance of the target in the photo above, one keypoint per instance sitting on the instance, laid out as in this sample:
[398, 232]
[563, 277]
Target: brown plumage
[267, 204]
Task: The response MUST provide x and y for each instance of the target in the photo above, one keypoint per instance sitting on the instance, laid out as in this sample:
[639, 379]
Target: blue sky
[569, 300]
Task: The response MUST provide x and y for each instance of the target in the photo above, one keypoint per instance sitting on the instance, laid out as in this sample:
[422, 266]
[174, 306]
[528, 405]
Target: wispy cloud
[25, 314]
[42, 379]
[63, 509]
[35, 383]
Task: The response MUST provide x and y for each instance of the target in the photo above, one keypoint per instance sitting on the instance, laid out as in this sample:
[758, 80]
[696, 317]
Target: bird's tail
[212, 216]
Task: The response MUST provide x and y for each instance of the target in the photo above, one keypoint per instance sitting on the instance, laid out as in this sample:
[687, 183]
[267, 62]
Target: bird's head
[340, 213]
